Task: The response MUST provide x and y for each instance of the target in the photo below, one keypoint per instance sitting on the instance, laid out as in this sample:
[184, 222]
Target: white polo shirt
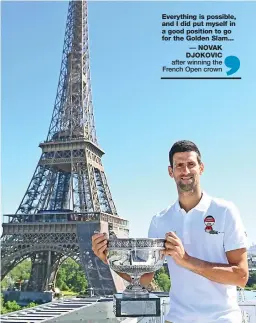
[207, 231]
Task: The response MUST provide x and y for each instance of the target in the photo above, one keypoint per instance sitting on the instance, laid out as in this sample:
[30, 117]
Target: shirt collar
[202, 206]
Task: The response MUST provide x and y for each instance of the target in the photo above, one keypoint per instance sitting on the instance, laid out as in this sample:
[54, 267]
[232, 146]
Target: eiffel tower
[68, 197]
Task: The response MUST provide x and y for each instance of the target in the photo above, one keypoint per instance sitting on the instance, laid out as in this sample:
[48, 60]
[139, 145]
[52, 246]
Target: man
[205, 246]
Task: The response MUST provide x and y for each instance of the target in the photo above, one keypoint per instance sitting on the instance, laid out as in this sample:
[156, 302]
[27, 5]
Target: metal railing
[55, 217]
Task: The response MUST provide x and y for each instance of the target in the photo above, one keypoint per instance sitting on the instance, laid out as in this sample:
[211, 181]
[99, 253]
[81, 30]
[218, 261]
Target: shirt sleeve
[235, 236]
[152, 231]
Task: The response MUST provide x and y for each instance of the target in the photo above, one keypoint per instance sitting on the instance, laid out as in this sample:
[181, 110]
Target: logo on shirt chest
[209, 222]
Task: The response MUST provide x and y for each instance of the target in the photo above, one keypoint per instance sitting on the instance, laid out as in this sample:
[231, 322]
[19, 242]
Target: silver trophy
[135, 257]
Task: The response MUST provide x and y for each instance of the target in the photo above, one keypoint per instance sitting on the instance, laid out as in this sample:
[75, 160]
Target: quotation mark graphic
[233, 63]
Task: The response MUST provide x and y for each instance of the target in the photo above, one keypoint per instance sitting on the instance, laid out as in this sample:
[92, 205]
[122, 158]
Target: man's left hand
[175, 249]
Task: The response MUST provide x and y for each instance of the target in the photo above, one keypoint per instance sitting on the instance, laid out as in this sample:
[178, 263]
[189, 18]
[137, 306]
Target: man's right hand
[99, 246]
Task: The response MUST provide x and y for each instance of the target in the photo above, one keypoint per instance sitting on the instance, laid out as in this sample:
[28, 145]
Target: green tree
[71, 277]
[12, 306]
[4, 284]
[162, 279]
[21, 271]
[32, 304]
[3, 308]
[252, 279]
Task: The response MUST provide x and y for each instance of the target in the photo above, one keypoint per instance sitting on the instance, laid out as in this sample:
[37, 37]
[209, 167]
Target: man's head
[185, 165]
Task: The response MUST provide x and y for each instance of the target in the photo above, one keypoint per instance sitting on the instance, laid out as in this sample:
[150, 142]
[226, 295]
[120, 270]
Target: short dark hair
[183, 146]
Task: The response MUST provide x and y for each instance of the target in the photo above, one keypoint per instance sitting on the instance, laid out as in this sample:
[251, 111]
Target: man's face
[186, 171]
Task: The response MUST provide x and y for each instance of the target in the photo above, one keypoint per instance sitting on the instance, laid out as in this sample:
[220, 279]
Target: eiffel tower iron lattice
[68, 197]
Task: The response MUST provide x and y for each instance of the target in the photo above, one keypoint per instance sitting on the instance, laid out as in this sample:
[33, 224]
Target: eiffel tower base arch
[49, 244]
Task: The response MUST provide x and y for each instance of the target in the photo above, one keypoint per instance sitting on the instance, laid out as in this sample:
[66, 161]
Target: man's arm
[233, 273]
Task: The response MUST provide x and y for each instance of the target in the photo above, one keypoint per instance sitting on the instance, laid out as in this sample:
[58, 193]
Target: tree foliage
[252, 279]
[12, 306]
[20, 272]
[71, 277]
[162, 279]
[3, 309]
[9, 306]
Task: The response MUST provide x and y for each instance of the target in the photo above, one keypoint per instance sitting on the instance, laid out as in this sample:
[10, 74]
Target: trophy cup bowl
[135, 257]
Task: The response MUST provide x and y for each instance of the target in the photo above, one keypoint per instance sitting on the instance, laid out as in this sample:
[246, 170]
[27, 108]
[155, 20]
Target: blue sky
[138, 116]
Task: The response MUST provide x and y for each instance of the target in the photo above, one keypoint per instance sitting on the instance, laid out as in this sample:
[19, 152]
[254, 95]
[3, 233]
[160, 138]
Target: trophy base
[124, 306]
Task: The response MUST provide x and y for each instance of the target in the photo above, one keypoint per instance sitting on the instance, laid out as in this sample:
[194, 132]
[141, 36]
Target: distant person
[206, 246]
